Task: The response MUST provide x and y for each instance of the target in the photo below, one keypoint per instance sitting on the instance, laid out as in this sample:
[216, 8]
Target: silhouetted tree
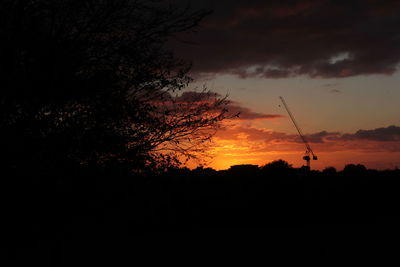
[354, 169]
[329, 170]
[90, 81]
[277, 165]
[244, 169]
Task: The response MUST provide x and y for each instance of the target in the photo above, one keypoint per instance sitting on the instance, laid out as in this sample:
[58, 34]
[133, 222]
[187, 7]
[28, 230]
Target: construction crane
[309, 152]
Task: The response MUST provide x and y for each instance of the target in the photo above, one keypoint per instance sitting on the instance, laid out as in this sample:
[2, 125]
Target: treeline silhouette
[91, 208]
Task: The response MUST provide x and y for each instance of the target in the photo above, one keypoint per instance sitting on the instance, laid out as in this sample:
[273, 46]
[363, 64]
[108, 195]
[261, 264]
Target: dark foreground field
[61, 219]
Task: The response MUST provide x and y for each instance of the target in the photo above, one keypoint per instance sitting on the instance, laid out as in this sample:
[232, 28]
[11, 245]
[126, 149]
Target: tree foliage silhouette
[330, 170]
[277, 165]
[354, 169]
[91, 81]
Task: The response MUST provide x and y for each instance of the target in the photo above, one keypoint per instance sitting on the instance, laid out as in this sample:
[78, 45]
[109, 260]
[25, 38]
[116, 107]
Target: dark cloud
[335, 91]
[234, 108]
[330, 84]
[388, 134]
[320, 137]
[193, 96]
[281, 38]
[257, 134]
[247, 114]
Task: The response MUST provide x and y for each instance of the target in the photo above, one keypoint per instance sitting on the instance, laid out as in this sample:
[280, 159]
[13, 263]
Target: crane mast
[309, 151]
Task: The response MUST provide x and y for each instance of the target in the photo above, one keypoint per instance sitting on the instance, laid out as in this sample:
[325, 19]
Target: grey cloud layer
[275, 39]
[233, 108]
[386, 134]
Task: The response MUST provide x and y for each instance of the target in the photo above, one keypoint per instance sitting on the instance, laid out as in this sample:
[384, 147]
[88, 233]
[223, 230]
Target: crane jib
[303, 138]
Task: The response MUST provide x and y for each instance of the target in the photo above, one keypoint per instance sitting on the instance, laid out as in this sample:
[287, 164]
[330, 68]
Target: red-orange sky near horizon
[377, 160]
[235, 145]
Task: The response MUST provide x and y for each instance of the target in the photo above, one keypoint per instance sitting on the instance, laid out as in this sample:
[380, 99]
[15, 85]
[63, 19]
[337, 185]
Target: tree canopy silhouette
[277, 165]
[354, 169]
[91, 81]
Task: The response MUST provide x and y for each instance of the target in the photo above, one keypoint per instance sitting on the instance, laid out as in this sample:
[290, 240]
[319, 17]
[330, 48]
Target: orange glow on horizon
[228, 152]
[380, 160]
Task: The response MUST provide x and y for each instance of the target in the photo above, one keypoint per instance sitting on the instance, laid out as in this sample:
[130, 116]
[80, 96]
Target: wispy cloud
[234, 109]
[245, 113]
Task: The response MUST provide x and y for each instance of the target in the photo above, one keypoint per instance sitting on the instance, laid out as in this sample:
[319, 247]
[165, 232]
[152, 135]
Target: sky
[336, 63]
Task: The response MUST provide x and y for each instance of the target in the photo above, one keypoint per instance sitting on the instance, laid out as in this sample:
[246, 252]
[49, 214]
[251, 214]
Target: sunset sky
[335, 62]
